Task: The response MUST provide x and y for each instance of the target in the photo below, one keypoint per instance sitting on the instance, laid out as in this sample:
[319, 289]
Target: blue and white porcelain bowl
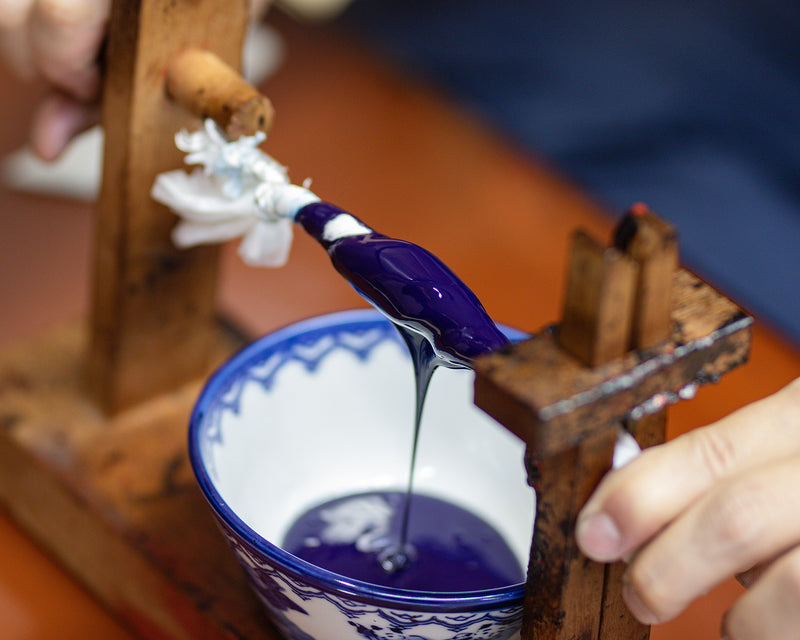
[324, 408]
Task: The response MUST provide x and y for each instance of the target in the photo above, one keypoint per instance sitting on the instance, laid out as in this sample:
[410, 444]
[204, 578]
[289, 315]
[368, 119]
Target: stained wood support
[151, 301]
[567, 391]
[98, 473]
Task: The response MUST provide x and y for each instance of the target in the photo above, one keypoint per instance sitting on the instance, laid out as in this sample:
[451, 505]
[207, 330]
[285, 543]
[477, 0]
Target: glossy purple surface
[452, 549]
[410, 285]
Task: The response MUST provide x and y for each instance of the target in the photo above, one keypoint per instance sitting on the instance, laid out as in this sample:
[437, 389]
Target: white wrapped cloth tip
[239, 192]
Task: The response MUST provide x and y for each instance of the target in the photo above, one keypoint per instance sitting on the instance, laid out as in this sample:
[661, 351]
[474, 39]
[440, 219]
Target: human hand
[718, 501]
[57, 41]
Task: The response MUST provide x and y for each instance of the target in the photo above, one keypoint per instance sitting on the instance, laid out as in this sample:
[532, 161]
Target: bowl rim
[429, 601]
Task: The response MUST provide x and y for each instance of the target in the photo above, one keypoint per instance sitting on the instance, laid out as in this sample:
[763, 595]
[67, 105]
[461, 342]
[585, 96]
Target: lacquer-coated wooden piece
[567, 390]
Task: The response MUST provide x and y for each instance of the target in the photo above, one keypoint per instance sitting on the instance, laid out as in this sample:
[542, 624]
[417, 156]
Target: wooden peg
[653, 244]
[209, 88]
[601, 286]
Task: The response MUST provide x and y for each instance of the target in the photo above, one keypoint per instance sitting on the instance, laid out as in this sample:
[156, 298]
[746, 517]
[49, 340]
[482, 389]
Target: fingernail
[636, 606]
[598, 537]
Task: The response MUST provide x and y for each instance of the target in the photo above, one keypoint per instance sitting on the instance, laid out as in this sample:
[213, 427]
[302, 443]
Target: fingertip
[46, 138]
[57, 121]
[599, 537]
[637, 607]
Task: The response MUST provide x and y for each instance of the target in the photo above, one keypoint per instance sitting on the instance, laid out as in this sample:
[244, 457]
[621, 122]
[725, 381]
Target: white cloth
[240, 191]
[626, 449]
[208, 216]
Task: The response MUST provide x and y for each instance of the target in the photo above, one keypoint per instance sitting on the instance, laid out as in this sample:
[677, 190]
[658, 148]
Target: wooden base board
[114, 499]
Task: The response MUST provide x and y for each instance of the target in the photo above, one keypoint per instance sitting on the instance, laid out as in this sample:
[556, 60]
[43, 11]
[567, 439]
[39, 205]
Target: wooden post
[567, 390]
[152, 319]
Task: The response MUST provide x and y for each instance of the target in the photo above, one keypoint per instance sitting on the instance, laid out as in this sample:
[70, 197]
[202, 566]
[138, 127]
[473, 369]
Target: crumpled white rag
[209, 215]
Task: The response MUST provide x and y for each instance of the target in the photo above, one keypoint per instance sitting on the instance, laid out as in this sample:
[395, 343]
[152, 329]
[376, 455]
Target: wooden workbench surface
[411, 165]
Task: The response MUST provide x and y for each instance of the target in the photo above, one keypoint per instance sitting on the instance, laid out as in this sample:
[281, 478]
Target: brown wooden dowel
[210, 88]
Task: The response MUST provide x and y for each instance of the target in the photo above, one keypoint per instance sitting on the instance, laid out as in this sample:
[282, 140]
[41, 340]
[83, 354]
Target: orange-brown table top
[411, 165]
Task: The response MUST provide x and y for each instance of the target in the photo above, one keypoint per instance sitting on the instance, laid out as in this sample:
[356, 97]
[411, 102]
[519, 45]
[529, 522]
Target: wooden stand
[568, 390]
[93, 419]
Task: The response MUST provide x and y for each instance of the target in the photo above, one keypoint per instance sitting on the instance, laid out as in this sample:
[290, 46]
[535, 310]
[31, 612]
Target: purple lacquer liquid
[439, 317]
[451, 549]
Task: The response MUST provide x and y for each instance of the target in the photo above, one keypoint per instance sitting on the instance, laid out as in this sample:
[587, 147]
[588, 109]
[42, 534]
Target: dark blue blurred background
[690, 106]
